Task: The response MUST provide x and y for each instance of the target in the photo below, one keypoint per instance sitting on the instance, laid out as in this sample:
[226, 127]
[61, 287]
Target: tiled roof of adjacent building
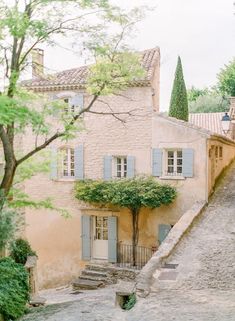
[196, 125]
[76, 78]
[209, 121]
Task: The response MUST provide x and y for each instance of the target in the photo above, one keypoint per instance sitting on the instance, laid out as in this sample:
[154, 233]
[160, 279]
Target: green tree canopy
[193, 93]
[179, 101]
[206, 101]
[226, 79]
[98, 27]
[134, 194]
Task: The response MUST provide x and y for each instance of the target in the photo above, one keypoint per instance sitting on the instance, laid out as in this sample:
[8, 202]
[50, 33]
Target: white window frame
[175, 165]
[119, 166]
[67, 163]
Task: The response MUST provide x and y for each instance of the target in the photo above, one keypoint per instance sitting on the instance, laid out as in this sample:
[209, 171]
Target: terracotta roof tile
[76, 77]
[209, 121]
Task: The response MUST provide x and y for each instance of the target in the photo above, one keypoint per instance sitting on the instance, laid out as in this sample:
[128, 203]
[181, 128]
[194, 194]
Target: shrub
[130, 302]
[20, 250]
[8, 226]
[14, 289]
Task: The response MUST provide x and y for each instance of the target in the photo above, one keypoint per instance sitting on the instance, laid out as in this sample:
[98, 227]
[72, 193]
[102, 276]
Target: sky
[202, 32]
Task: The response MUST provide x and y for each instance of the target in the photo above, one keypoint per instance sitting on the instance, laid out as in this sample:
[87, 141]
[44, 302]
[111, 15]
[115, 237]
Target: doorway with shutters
[99, 237]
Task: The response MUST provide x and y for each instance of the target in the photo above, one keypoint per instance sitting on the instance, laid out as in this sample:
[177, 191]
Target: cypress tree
[179, 100]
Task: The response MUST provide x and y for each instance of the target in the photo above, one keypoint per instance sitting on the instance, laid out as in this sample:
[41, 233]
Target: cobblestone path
[204, 288]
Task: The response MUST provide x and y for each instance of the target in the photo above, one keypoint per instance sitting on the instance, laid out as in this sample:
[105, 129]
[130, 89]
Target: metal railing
[125, 256]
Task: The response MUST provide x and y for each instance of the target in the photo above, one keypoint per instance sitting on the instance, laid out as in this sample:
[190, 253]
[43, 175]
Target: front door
[100, 237]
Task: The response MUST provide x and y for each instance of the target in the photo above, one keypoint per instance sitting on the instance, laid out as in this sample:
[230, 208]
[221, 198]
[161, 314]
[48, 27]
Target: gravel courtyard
[204, 289]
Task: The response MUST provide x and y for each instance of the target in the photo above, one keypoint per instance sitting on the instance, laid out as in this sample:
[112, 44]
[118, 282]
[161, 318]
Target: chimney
[37, 62]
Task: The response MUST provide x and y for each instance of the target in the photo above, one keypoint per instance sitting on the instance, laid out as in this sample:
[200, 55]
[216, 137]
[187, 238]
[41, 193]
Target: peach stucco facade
[57, 240]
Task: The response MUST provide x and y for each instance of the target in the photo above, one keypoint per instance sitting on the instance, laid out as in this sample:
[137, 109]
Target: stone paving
[204, 289]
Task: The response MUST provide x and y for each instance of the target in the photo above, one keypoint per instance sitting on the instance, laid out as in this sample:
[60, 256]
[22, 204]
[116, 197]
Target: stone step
[84, 284]
[94, 278]
[98, 267]
[92, 273]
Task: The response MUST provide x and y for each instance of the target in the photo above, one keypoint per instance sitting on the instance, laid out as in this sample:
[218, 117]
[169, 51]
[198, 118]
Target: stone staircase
[96, 276]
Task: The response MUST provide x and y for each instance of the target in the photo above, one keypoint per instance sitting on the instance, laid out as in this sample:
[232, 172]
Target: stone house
[180, 153]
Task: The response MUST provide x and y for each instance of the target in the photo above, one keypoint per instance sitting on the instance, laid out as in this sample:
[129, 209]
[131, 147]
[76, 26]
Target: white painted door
[100, 237]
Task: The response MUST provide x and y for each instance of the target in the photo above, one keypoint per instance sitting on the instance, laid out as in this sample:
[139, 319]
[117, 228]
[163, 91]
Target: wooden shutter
[79, 162]
[163, 230]
[107, 167]
[86, 237]
[112, 239]
[77, 101]
[157, 161]
[188, 161]
[54, 163]
[130, 166]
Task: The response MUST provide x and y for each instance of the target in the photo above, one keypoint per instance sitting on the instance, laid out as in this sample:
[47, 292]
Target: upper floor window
[174, 162]
[120, 167]
[67, 166]
[69, 106]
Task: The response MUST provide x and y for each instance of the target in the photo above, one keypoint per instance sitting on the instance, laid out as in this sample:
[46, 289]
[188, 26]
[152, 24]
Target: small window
[67, 163]
[216, 152]
[174, 166]
[101, 228]
[220, 152]
[120, 167]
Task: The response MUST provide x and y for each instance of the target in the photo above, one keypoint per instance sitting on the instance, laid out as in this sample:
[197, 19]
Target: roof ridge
[64, 77]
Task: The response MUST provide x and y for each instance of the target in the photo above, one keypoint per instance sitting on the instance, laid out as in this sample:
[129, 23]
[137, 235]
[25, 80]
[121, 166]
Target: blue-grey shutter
[188, 161]
[54, 163]
[55, 110]
[112, 239]
[86, 237]
[157, 161]
[77, 101]
[79, 162]
[130, 166]
[163, 230]
[107, 167]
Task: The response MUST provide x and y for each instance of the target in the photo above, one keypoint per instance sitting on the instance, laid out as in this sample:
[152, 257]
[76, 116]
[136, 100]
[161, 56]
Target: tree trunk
[10, 165]
[135, 233]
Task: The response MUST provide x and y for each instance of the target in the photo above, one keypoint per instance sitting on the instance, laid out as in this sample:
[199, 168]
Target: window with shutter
[174, 163]
[123, 166]
[120, 167]
[67, 163]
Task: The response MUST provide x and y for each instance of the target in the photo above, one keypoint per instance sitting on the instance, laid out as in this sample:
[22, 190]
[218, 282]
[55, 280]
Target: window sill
[180, 178]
